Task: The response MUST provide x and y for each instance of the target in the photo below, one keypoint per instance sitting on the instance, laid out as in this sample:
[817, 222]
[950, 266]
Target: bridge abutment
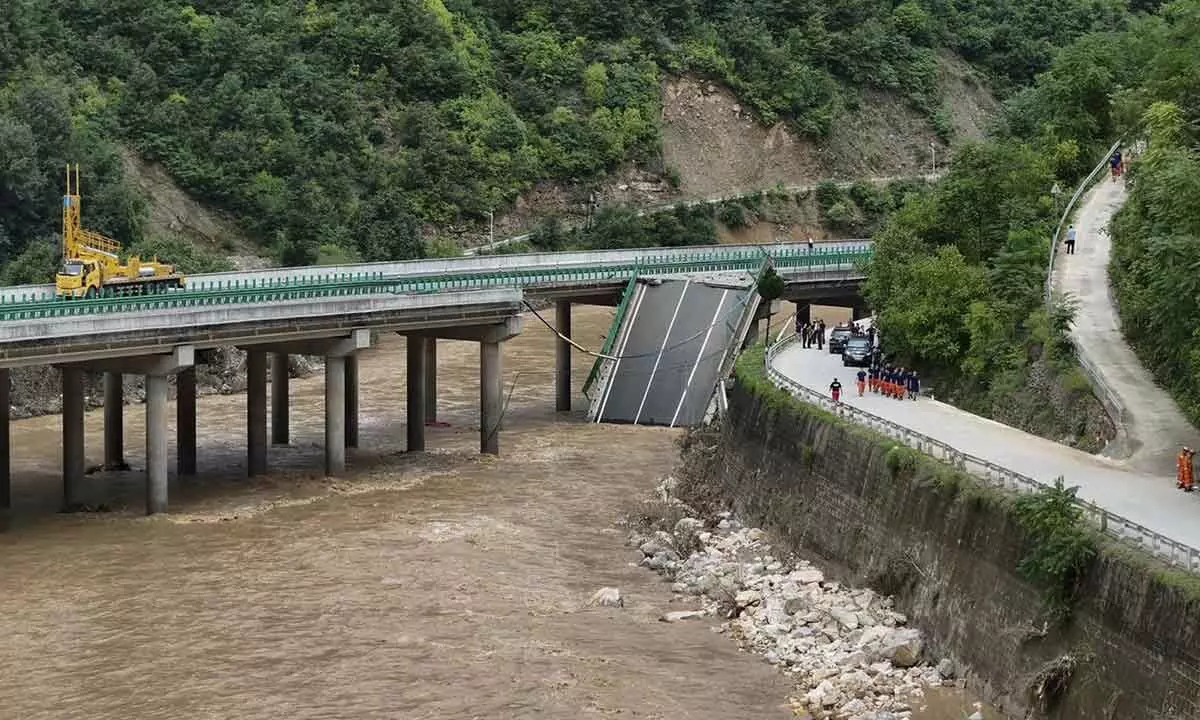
[279, 398]
[562, 357]
[185, 421]
[418, 375]
[72, 435]
[114, 421]
[256, 412]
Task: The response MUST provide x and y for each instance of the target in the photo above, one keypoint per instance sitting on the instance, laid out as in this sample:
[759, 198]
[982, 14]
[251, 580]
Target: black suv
[857, 351]
[838, 337]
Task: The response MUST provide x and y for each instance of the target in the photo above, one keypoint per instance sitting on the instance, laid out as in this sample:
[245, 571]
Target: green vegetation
[342, 128]
[1059, 548]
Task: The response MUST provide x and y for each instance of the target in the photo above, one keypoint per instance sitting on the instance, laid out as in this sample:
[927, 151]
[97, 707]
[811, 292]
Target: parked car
[857, 352]
[838, 337]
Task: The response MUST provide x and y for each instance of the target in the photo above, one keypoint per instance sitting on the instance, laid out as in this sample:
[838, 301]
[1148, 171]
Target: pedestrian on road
[871, 335]
[1186, 469]
[1071, 240]
[1180, 459]
[820, 334]
[862, 382]
[1115, 161]
[886, 390]
[872, 377]
[803, 330]
[810, 240]
[835, 389]
[914, 386]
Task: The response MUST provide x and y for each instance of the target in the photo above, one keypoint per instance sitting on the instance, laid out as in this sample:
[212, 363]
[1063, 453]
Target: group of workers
[889, 381]
[812, 334]
[1184, 475]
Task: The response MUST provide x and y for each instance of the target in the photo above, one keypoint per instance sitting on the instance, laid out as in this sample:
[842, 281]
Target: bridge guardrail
[1111, 524]
[837, 263]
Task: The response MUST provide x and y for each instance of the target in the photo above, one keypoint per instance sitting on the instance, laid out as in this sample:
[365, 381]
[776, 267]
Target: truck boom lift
[92, 263]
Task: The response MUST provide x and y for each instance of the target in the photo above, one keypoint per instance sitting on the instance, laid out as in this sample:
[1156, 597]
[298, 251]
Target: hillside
[364, 128]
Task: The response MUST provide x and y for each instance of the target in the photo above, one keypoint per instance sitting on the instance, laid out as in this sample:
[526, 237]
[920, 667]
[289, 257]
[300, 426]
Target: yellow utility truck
[92, 264]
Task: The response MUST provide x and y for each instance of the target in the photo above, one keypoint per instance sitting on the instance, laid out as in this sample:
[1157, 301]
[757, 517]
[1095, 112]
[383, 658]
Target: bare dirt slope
[717, 147]
[173, 212]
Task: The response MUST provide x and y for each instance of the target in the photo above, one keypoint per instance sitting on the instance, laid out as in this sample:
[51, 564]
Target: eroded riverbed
[443, 585]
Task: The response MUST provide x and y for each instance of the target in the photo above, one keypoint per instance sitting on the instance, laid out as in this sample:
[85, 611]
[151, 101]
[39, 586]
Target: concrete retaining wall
[949, 551]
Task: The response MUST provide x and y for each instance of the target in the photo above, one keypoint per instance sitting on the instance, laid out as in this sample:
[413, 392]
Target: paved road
[1155, 426]
[1150, 500]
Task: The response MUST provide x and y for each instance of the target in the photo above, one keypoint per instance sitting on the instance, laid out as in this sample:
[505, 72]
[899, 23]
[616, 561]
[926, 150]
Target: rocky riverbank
[851, 653]
[38, 390]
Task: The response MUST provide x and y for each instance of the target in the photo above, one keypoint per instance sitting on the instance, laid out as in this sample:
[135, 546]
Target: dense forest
[350, 124]
[981, 238]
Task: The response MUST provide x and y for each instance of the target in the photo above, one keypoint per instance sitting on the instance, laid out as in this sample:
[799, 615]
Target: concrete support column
[351, 362]
[114, 421]
[72, 432]
[490, 404]
[416, 392]
[156, 444]
[256, 412]
[279, 398]
[185, 420]
[858, 312]
[431, 392]
[335, 416]
[562, 357]
[5, 457]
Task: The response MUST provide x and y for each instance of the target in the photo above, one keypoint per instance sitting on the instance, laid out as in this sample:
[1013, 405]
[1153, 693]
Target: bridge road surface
[1155, 426]
[1149, 499]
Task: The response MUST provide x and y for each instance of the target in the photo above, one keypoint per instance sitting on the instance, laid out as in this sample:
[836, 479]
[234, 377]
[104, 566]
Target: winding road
[1140, 485]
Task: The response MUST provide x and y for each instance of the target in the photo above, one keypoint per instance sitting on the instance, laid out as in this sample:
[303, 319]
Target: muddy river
[444, 585]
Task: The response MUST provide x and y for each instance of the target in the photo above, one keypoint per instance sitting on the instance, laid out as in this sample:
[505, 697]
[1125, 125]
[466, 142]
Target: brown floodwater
[438, 585]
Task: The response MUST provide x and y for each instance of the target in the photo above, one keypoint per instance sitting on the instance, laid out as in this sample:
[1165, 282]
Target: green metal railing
[335, 285]
[611, 338]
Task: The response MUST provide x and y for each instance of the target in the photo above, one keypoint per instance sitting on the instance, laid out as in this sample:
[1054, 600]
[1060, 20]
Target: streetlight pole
[933, 157]
[491, 227]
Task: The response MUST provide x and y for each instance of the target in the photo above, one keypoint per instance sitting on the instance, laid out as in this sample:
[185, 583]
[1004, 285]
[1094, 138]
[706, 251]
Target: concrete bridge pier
[562, 357]
[351, 371]
[335, 415]
[5, 440]
[417, 347]
[256, 411]
[185, 421]
[431, 388]
[279, 398]
[72, 434]
[114, 421]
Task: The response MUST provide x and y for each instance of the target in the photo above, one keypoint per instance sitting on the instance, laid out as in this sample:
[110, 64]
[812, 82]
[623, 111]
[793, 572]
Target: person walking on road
[1186, 477]
[1117, 166]
[803, 331]
[1071, 240]
[810, 243]
[835, 390]
[914, 385]
[862, 382]
[872, 377]
[820, 334]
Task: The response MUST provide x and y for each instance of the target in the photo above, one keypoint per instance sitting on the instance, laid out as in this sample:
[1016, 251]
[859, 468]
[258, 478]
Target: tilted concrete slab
[72, 339]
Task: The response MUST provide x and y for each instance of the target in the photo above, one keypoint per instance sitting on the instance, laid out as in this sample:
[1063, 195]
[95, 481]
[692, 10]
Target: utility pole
[933, 157]
[491, 227]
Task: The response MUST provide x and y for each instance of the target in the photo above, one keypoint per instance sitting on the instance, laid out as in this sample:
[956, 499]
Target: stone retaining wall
[948, 550]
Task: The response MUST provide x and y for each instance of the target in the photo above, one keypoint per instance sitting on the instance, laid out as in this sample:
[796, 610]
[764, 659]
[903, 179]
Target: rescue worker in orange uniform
[1184, 472]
